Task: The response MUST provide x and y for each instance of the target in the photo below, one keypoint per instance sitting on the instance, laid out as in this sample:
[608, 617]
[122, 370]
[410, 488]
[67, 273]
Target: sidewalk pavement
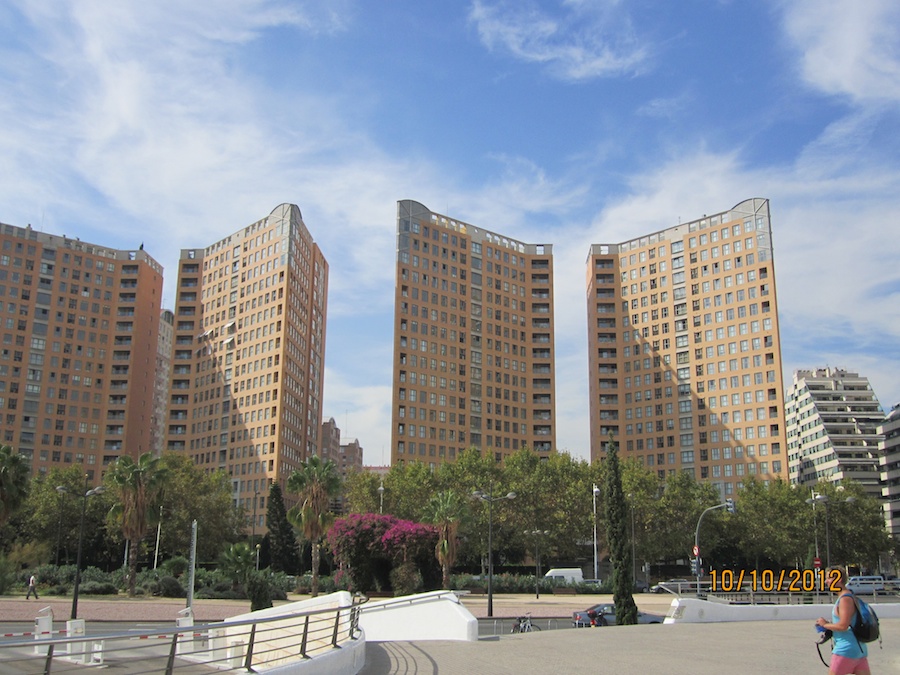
[780, 647]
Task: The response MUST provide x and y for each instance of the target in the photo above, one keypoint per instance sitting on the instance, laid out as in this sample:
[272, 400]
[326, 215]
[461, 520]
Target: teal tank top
[845, 643]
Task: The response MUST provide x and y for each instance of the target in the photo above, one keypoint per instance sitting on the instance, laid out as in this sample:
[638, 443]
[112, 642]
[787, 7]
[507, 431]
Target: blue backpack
[865, 624]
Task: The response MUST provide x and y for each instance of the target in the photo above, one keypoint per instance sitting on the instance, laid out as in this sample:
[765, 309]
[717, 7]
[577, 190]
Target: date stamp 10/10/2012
[771, 581]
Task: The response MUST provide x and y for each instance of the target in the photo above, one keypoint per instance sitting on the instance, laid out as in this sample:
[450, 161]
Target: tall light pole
[633, 559]
[62, 490]
[490, 499]
[537, 534]
[824, 500]
[812, 501]
[158, 532]
[596, 493]
[253, 524]
[381, 497]
[87, 493]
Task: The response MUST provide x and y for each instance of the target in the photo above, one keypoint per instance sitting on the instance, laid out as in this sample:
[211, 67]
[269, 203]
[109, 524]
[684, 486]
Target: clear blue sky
[570, 123]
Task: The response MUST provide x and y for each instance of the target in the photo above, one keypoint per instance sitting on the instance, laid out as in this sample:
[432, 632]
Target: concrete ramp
[438, 615]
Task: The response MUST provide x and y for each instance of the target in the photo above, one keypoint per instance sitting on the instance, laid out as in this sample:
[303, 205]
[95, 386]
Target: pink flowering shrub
[368, 546]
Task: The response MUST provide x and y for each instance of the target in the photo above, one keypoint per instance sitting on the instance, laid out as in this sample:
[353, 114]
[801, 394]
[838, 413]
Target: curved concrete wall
[692, 610]
[438, 615]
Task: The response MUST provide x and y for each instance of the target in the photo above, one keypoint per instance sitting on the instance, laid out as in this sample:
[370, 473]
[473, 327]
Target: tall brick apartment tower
[473, 341]
[79, 338]
[684, 350]
[248, 363]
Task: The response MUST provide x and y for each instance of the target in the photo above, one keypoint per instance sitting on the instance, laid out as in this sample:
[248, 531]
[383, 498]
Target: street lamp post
[87, 493]
[824, 500]
[257, 557]
[61, 489]
[633, 559]
[537, 534]
[490, 499]
[812, 501]
[253, 524]
[381, 497]
[158, 532]
[596, 493]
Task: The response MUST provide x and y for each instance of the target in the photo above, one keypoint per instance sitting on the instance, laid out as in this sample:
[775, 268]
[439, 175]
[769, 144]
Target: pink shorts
[844, 665]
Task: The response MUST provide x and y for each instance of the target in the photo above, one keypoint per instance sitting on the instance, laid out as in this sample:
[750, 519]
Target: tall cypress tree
[617, 538]
[282, 543]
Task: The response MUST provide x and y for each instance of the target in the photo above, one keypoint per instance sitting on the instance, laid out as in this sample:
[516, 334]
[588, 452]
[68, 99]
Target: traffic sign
[696, 551]
[817, 562]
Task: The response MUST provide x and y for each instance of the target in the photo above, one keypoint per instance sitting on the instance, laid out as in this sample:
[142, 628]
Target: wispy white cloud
[663, 108]
[847, 48]
[584, 41]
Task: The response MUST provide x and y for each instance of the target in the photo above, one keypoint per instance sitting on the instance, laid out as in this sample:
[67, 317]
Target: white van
[868, 584]
[566, 575]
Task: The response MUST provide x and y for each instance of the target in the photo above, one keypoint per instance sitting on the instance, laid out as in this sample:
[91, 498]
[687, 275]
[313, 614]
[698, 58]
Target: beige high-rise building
[163, 379]
[684, 349]
[473, 341]
[248, 365]
[79, 336]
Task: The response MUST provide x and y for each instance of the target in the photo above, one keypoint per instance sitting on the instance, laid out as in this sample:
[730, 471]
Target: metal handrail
[242, 644]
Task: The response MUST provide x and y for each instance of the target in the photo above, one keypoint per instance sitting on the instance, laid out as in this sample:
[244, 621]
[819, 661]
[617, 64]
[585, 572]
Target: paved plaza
[692, 649]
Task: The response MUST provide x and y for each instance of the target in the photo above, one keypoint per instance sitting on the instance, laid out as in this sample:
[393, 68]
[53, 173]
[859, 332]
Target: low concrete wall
[692, 610]
[438, 615]
[348, 660]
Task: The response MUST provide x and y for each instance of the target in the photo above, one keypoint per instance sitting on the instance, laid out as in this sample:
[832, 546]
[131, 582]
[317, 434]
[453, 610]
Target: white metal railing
[245, 644]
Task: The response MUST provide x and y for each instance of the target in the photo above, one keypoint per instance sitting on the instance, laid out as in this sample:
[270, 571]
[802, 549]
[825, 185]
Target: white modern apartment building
[832, 418]
[889, 465]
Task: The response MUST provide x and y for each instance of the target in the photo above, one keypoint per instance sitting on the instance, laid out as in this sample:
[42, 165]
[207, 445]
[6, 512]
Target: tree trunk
[133, 548]
[315, 569]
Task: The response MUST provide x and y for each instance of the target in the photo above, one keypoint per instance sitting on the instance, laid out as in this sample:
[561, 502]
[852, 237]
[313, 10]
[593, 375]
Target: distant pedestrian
[32, 588]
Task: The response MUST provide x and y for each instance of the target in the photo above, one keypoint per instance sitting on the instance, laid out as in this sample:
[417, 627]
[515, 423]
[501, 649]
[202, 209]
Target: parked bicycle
[523, 624]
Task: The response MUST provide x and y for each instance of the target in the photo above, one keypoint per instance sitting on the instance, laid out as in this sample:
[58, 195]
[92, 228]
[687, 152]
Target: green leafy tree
[772, 523]
[360, 491]
[855, 530]
[137, 486]
[316, 482]
[189, 494]
[445, 510]
[51, 515]
[569, 496]
[282, 542]
[472, 471]
[617, 538]
[673, 519]
[13, 481]
[642, 488]
[407, 488]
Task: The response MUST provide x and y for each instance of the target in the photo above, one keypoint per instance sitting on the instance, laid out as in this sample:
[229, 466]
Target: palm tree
[138, 485]
[13, 481]
[316, 482]
[445, 509]
[238, 562]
